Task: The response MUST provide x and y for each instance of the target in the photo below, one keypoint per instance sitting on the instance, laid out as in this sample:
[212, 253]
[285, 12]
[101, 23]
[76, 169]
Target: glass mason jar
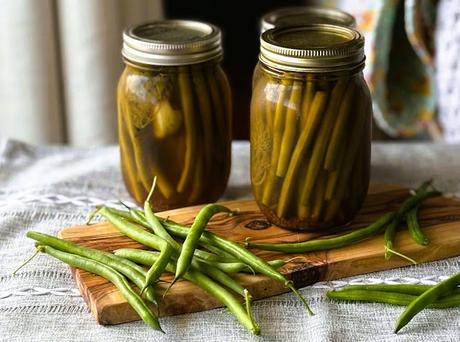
[174, 113]
[306, 15]
[310, 126]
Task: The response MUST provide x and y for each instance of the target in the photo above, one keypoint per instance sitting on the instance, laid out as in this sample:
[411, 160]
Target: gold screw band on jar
[307, 15]
[172, 42]
[313, 48]
[174, 108]
[310, 126]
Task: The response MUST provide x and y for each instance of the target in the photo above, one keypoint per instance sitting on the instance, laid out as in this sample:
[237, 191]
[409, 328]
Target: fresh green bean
[235, 267]
[155, 271]
[133, 230]
[414, 228]
[390, 233]
[410, 289]
[407, 205]
[111, 275]
[202, 281]
[138, 234]
[223, 256]
[153, 222]
[229, 263]
[134, 215]
[428, 297]
[331, 243]
[203, 217]
[221, 277]
[210, 271]
[395, 298]
[190, 243]
[419, 197]
[156, 226]
[129, 269]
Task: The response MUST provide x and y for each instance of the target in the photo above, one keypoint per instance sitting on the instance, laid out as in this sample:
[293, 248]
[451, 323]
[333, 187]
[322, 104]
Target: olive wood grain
[439, 218]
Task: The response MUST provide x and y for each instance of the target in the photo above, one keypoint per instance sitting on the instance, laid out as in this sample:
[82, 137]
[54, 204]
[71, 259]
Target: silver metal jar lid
[312, 48]
[296, 16]
[172, 42]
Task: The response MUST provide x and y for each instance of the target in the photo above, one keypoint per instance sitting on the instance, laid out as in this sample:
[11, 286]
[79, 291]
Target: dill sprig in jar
[174, 113]
[310, 126]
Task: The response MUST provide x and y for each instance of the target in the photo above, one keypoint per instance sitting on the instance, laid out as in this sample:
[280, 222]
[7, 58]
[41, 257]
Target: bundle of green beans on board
[203, 258]
[208, 260]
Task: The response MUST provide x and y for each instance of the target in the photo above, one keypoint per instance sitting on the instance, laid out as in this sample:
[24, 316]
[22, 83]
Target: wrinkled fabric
[399, 62]
[47, 188]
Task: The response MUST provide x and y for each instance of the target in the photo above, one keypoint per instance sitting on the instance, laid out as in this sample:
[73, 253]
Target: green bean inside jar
[310, 126]
[174, 113]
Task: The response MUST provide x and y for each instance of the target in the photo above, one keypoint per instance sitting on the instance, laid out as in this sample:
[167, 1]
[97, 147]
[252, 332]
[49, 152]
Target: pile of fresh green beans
[391, 220]
[171, 122]
[210, 269]
[446, 294]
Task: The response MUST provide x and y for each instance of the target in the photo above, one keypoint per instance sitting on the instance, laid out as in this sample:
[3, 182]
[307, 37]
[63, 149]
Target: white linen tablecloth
[47, 188]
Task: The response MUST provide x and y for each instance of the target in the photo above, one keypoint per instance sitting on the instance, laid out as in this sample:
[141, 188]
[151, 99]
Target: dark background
[240, 25]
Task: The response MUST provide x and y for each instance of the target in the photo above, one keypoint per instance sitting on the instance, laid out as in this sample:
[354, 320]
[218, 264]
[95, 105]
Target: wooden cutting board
[439, 217]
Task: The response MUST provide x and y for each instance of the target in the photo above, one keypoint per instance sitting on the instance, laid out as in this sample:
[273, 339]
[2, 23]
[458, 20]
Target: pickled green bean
[188, 112]
[321, 143]
[317, 107]
[290, 128]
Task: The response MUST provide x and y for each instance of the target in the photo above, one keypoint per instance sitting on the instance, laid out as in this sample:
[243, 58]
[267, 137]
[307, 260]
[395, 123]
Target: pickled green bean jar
[310, 126]
[174, 113]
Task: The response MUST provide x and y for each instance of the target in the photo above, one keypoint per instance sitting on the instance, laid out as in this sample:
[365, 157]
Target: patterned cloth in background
[399, 66]
[447, 42]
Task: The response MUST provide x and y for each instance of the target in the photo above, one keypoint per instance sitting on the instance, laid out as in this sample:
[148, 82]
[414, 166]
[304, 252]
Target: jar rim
[312, 48]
